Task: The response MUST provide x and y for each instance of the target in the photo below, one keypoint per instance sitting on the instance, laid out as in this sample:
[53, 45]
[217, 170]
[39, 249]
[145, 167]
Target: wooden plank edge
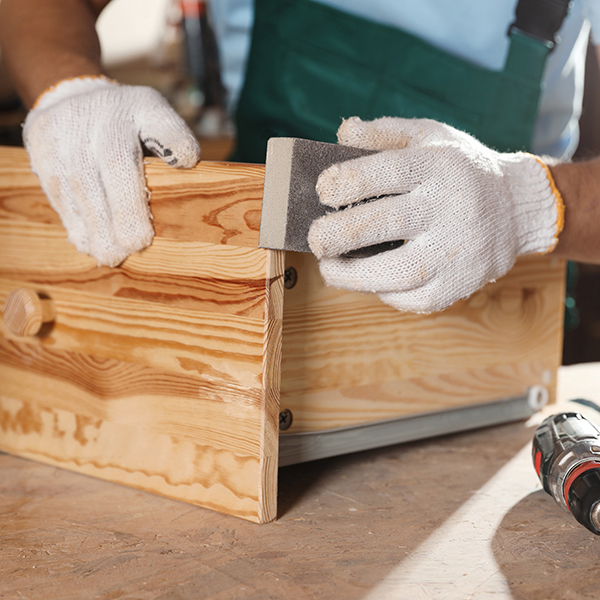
[273, 330]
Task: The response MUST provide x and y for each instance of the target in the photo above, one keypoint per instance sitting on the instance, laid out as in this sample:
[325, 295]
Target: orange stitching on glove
[55, 85]
[560, 205]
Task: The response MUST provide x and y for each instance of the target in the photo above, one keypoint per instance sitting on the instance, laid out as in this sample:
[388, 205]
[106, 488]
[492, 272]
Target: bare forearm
[44, 41]
[579, 184]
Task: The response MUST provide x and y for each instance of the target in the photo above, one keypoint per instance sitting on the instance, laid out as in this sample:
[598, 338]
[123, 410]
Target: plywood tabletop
[364, 526]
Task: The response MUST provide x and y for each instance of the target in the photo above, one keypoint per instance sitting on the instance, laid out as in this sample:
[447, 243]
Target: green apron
[311, 65]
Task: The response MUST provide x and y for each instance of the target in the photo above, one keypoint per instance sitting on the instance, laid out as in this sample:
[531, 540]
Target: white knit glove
[465, 211]
[84, 139]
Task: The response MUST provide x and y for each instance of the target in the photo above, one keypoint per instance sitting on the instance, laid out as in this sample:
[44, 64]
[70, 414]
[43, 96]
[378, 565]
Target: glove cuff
[66, 88]
[538, 207]
[560, 204]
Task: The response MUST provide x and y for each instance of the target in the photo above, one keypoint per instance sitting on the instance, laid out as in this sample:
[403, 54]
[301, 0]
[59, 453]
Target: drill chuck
[566, 457]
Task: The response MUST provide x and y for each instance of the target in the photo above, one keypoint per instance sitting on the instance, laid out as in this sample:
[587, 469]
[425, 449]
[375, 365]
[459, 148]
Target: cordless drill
[566, 456]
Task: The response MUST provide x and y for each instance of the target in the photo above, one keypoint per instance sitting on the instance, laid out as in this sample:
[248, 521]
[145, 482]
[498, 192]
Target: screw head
[290, 278]
[285, 419]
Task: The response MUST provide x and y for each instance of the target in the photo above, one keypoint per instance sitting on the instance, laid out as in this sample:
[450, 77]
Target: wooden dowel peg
[24, 312]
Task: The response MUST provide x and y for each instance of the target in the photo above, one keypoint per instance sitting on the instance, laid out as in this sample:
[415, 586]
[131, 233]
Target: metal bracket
[302, 447]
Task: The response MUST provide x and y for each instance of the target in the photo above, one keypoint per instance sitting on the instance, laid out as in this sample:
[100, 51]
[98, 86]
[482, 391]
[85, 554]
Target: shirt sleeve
[591, 11]
[232, 22]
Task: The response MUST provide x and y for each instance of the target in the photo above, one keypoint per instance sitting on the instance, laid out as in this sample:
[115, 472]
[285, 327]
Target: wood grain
[350, 359]
[166, 373]
[162, 373]
[183, 469]
[217, 203]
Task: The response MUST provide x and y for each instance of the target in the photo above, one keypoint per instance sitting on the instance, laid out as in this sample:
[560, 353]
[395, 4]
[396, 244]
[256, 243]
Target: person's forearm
[579, 185]
[45, 41]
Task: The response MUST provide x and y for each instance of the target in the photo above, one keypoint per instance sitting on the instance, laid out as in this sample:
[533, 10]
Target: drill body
[566, 456]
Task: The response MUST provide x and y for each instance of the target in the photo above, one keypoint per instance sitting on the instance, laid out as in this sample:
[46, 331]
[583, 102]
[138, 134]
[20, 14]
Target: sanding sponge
[290, 200]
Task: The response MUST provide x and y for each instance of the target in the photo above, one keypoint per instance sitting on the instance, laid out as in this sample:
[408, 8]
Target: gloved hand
[84, 139]
[465, 211]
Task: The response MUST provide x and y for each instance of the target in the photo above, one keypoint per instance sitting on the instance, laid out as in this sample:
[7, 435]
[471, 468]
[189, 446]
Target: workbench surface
[456, 517]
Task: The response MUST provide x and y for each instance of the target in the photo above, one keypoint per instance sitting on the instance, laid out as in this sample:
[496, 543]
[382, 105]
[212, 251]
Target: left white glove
[465, 211]
[84, 139]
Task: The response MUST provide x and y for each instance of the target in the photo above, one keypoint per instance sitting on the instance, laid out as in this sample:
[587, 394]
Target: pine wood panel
[349, 359]
[216, 203]
[190, 275]
[194, 471]
[162, 374]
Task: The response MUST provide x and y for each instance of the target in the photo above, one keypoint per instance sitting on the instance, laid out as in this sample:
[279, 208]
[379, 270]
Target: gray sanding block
[290, 200]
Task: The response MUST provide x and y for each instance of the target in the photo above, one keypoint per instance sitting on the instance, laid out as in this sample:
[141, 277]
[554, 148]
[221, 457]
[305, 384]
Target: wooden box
[172, 372]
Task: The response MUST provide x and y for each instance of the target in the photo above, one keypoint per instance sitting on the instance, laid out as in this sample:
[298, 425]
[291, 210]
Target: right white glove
[465, 211]
[84, 138]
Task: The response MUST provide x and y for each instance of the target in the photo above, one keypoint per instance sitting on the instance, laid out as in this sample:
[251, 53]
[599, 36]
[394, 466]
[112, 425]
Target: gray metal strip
[302, 447]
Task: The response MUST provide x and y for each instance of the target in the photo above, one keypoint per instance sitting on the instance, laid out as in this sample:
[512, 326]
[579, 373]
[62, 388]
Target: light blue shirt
[474, 30]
